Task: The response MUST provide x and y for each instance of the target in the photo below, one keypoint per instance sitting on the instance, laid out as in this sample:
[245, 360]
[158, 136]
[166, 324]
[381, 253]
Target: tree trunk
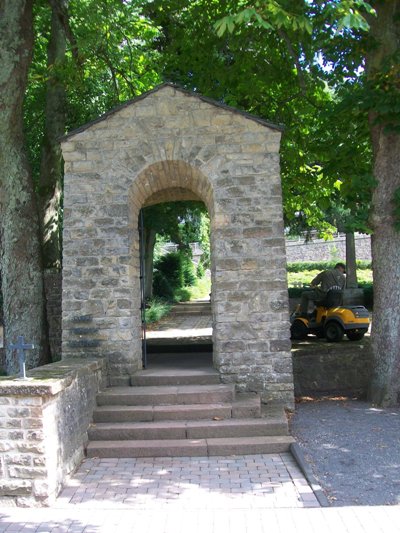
[351, 265]
[50, 183]
[149, 242]
[22, 273]
[385, 384]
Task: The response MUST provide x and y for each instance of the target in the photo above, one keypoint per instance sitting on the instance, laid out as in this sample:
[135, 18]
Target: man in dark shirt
[321, 284]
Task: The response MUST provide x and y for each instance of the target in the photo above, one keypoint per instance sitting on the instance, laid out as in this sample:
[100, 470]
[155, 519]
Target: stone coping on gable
[49, 380]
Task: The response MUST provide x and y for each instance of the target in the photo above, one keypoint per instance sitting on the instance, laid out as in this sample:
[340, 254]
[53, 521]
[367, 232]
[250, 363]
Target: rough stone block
[15, 488]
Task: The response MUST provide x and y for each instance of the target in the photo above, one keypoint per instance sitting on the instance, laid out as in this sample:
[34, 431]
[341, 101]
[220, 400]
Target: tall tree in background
[383, 60]
[21, 268]
[51, 172]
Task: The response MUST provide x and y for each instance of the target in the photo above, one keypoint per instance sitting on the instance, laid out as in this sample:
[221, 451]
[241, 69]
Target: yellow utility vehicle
[331, 320]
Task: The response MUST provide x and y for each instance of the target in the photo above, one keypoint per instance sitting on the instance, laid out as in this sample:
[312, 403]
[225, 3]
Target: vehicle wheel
[333, 332]
[298, 330]
[355, 335]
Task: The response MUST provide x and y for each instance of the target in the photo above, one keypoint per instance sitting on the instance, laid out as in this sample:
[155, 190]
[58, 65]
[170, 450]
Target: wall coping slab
[49, 380]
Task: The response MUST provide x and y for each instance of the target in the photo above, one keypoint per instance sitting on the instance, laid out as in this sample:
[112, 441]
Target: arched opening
[185, 337]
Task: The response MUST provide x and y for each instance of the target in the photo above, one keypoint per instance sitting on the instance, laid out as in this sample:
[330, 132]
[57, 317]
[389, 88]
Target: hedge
[322, 265]
[295, 292]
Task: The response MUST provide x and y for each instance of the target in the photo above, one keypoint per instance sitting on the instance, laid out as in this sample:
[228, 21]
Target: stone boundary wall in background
[44, 421]
[320, 250]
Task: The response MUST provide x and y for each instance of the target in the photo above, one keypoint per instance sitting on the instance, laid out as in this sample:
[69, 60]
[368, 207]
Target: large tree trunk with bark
[351, 263]
[22, 273]
[50, 185]
[385, 385]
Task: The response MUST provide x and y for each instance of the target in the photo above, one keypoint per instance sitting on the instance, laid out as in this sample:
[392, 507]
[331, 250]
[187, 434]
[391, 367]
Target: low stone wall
[43, 428]
[322, 368]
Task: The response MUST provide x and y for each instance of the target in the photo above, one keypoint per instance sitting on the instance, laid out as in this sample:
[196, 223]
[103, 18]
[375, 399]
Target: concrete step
[162, 376]
[246, 405]
[161, 430]
[128, 413]
[189, 448]
[192, 306]
[190, 313]
[167, 395]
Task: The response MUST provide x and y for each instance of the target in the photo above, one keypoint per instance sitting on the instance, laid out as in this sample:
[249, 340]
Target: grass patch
[201, 288]
[156, 309]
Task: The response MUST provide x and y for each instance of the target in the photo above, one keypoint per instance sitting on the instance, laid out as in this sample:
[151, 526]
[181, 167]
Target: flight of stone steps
[185, 412]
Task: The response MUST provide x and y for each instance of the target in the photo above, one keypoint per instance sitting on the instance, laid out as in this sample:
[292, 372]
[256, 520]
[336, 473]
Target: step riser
[162, 412]
[167, 398]
[147, 451]
[186, 433]
[196, 448]
[152, 381]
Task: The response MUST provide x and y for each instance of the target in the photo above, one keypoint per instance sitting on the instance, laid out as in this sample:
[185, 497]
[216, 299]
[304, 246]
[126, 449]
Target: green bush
[170, 267]
[182, 295]
[189, 271]
[322, 265]
[162, 286]
[368, 294]
[156, 309]
[200, 271]
[295, 292]
[173, 271]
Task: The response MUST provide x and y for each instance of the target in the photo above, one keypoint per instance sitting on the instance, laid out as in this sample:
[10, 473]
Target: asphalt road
[352, 448]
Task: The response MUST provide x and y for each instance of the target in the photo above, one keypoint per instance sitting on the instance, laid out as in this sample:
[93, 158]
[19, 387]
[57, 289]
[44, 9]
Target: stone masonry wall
[53, 290]
[43, 429]
[170, 140]
[327, 369]
[319, 250]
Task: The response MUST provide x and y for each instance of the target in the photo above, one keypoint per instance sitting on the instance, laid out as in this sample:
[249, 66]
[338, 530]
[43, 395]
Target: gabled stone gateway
[169, 145]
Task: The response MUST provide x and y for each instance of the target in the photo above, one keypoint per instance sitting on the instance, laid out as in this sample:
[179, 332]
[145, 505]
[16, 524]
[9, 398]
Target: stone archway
[166, 181]
[170, 144]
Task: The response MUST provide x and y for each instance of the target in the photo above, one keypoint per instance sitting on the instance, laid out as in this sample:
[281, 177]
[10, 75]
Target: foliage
[109, 60]
[179, 222]
[201, 289]
[304, 278]
[182, 294]
[323, 265]
[156, 308]
[200, 271]
[295, 292]
[172, 273]
[289, 62]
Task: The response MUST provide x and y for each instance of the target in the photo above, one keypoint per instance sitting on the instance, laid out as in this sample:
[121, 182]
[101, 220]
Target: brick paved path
[332, 520]
[185, 483]
[194, 495]
[178, 326]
